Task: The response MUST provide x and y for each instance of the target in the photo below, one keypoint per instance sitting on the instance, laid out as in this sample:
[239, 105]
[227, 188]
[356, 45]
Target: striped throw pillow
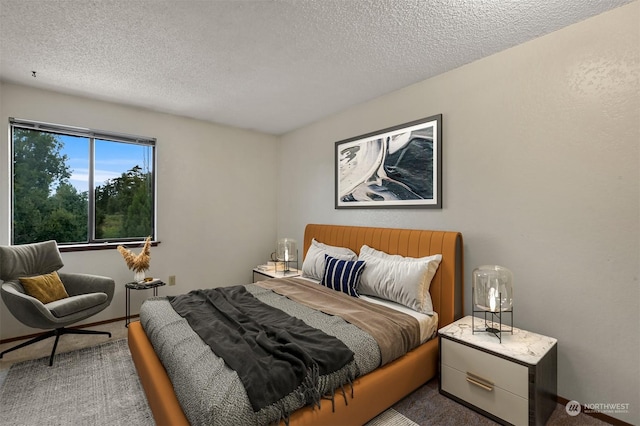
[342, 275]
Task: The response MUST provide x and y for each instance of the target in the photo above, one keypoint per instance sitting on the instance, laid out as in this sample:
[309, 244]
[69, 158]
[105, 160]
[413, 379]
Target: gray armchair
[88, 294]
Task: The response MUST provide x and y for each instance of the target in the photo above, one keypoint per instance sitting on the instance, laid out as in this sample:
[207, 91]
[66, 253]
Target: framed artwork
[397, 167]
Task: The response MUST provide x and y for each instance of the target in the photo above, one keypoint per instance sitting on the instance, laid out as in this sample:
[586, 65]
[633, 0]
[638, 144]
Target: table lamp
[287, 252]
[492, 288]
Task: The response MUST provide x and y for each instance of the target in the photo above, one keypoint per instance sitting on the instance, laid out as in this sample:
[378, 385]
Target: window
[79, 186]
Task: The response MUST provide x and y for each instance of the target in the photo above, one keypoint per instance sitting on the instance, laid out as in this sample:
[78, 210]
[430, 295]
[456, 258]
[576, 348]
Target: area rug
[99, 386]
[90, 386]
[391, 418]
[95, 386]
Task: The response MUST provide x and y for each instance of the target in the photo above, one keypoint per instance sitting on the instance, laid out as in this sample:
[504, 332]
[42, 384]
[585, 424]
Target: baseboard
[599, 416]
[91, 324]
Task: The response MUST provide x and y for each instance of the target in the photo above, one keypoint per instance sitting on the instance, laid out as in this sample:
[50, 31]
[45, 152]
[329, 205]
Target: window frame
[92, 242]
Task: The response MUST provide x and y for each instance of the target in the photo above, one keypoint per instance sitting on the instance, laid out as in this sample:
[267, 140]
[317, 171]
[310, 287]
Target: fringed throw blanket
[273, 353]
[211, 393]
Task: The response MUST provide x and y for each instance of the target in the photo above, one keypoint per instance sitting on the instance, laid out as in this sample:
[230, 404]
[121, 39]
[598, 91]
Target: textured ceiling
[269, 65]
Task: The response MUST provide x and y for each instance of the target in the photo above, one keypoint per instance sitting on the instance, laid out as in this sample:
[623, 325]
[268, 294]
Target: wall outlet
[172, 280]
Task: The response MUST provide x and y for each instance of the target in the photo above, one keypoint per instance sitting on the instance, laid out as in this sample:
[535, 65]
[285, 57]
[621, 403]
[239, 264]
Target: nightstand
[513, 382]
[138, 286]
[261, 274]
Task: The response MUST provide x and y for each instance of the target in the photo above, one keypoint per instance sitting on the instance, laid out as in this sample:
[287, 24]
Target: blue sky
[112, 159]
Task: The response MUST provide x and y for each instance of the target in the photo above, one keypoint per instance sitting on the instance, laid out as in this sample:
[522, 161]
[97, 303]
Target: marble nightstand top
[522, 345]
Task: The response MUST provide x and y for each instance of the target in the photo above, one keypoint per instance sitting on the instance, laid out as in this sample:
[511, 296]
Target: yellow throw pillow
[46, 288]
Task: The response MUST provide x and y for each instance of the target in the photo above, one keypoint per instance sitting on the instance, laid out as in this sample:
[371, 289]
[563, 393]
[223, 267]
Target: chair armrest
[28, 310]
[76, 284]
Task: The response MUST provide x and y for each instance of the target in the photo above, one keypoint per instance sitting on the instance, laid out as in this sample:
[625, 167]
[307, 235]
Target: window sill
[63, 248]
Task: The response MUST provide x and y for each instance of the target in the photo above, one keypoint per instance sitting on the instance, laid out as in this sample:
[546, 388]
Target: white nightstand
[261, 274]
[513, 382]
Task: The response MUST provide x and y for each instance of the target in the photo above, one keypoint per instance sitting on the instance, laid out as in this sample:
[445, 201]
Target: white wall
[215, 220]
[541, 163]
[540, 173]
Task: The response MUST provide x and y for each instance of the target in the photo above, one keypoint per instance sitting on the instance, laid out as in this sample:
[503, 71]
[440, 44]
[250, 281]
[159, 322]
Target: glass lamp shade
[286, 250]
[492, 288]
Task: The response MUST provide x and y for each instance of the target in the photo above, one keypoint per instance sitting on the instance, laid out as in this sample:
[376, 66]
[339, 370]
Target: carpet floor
[91, 386]
[98, 385]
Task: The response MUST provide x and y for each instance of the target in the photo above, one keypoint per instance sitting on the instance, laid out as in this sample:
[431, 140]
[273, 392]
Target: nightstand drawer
[486, 368]
[499, 402]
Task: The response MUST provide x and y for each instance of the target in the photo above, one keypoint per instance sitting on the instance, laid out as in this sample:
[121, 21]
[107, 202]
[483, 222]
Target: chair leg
[55, 344]
[34, 340]
[60, 331]
[81, 331]
[57, 332]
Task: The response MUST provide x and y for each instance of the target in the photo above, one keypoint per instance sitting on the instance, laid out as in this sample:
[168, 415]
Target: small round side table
[138, 286]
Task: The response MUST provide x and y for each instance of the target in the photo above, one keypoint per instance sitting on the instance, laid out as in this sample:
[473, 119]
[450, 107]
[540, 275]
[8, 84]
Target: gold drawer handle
[479, 381]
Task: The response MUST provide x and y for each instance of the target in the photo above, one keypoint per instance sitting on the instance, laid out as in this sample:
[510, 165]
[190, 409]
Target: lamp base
[284, 265]
[491, 326]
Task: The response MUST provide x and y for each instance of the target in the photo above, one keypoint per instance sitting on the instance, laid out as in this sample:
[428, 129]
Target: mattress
[428, 323]
[209, 391]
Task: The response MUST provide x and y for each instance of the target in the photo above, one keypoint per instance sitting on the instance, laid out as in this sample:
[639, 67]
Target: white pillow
[313, 265]
[404, 280]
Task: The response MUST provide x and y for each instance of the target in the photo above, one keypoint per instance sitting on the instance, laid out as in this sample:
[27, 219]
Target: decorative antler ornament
[140, 262]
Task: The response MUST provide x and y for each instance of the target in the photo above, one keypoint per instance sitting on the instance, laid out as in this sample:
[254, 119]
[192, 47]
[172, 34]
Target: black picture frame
[396, 167]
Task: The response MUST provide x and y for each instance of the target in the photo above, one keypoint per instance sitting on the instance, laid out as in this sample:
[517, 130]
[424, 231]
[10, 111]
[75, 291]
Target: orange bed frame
[374, 392]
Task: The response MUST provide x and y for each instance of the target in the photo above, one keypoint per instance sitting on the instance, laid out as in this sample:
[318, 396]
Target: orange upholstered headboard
[446, 286]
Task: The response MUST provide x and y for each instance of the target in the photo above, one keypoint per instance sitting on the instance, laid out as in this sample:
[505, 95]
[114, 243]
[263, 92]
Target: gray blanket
[211, 393]
[273, 353]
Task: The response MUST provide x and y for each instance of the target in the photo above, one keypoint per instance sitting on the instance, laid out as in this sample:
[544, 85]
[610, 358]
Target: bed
[374, 392]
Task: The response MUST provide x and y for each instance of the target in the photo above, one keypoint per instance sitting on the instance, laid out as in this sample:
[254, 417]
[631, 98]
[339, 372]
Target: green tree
[45, 205]
[138, 220]
[69, 217]
[124, 206]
